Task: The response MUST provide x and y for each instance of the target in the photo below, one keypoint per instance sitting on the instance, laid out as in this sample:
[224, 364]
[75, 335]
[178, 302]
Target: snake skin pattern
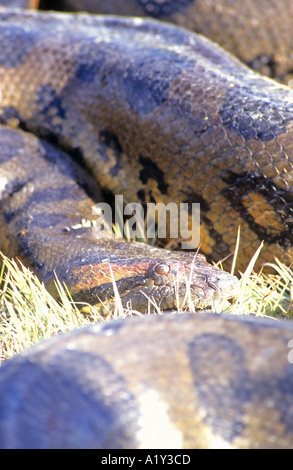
[235, 161]
[257, 33]
[43, 203]
[169, 381]
[126, 98]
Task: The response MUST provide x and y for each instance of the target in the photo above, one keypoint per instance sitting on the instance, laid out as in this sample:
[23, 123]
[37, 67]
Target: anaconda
[43, 204]
[184, 381]
[150, 129]
[155, 133]
[258, 33]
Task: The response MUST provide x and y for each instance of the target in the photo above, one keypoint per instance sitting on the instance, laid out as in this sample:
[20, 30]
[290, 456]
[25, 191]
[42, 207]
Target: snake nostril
[162, 269]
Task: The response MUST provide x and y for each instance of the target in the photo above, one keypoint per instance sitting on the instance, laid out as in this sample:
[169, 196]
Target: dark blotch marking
[151, 198]
[253, 115]
[87, 72]
[193, 197]
[110, 141]
[147, 83]
[285, 403]
[151, 171]
[141, 195]
[142, 95]
[7, 113]
[48, 99]
[280, 199]
[221, 382]
[87, 417]
[159, 9]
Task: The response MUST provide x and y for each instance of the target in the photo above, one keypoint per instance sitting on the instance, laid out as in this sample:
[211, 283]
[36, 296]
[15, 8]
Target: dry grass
[28, 313]
[267, 294]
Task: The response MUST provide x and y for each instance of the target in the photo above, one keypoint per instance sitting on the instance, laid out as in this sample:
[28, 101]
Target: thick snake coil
[157, 114]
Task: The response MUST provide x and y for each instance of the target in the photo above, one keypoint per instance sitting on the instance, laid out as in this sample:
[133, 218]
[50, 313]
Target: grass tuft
[29, 314]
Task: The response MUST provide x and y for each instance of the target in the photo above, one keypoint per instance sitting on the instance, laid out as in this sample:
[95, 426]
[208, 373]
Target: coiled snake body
[157, 114]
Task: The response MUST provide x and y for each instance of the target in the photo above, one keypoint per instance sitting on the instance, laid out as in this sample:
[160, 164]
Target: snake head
[191, 283]
[145, 278]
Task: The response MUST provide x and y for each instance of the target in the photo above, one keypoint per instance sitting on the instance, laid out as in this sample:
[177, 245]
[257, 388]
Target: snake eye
[162, 269]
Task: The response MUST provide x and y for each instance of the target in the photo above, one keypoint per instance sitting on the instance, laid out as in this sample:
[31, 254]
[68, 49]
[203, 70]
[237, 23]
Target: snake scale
[156, 113]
